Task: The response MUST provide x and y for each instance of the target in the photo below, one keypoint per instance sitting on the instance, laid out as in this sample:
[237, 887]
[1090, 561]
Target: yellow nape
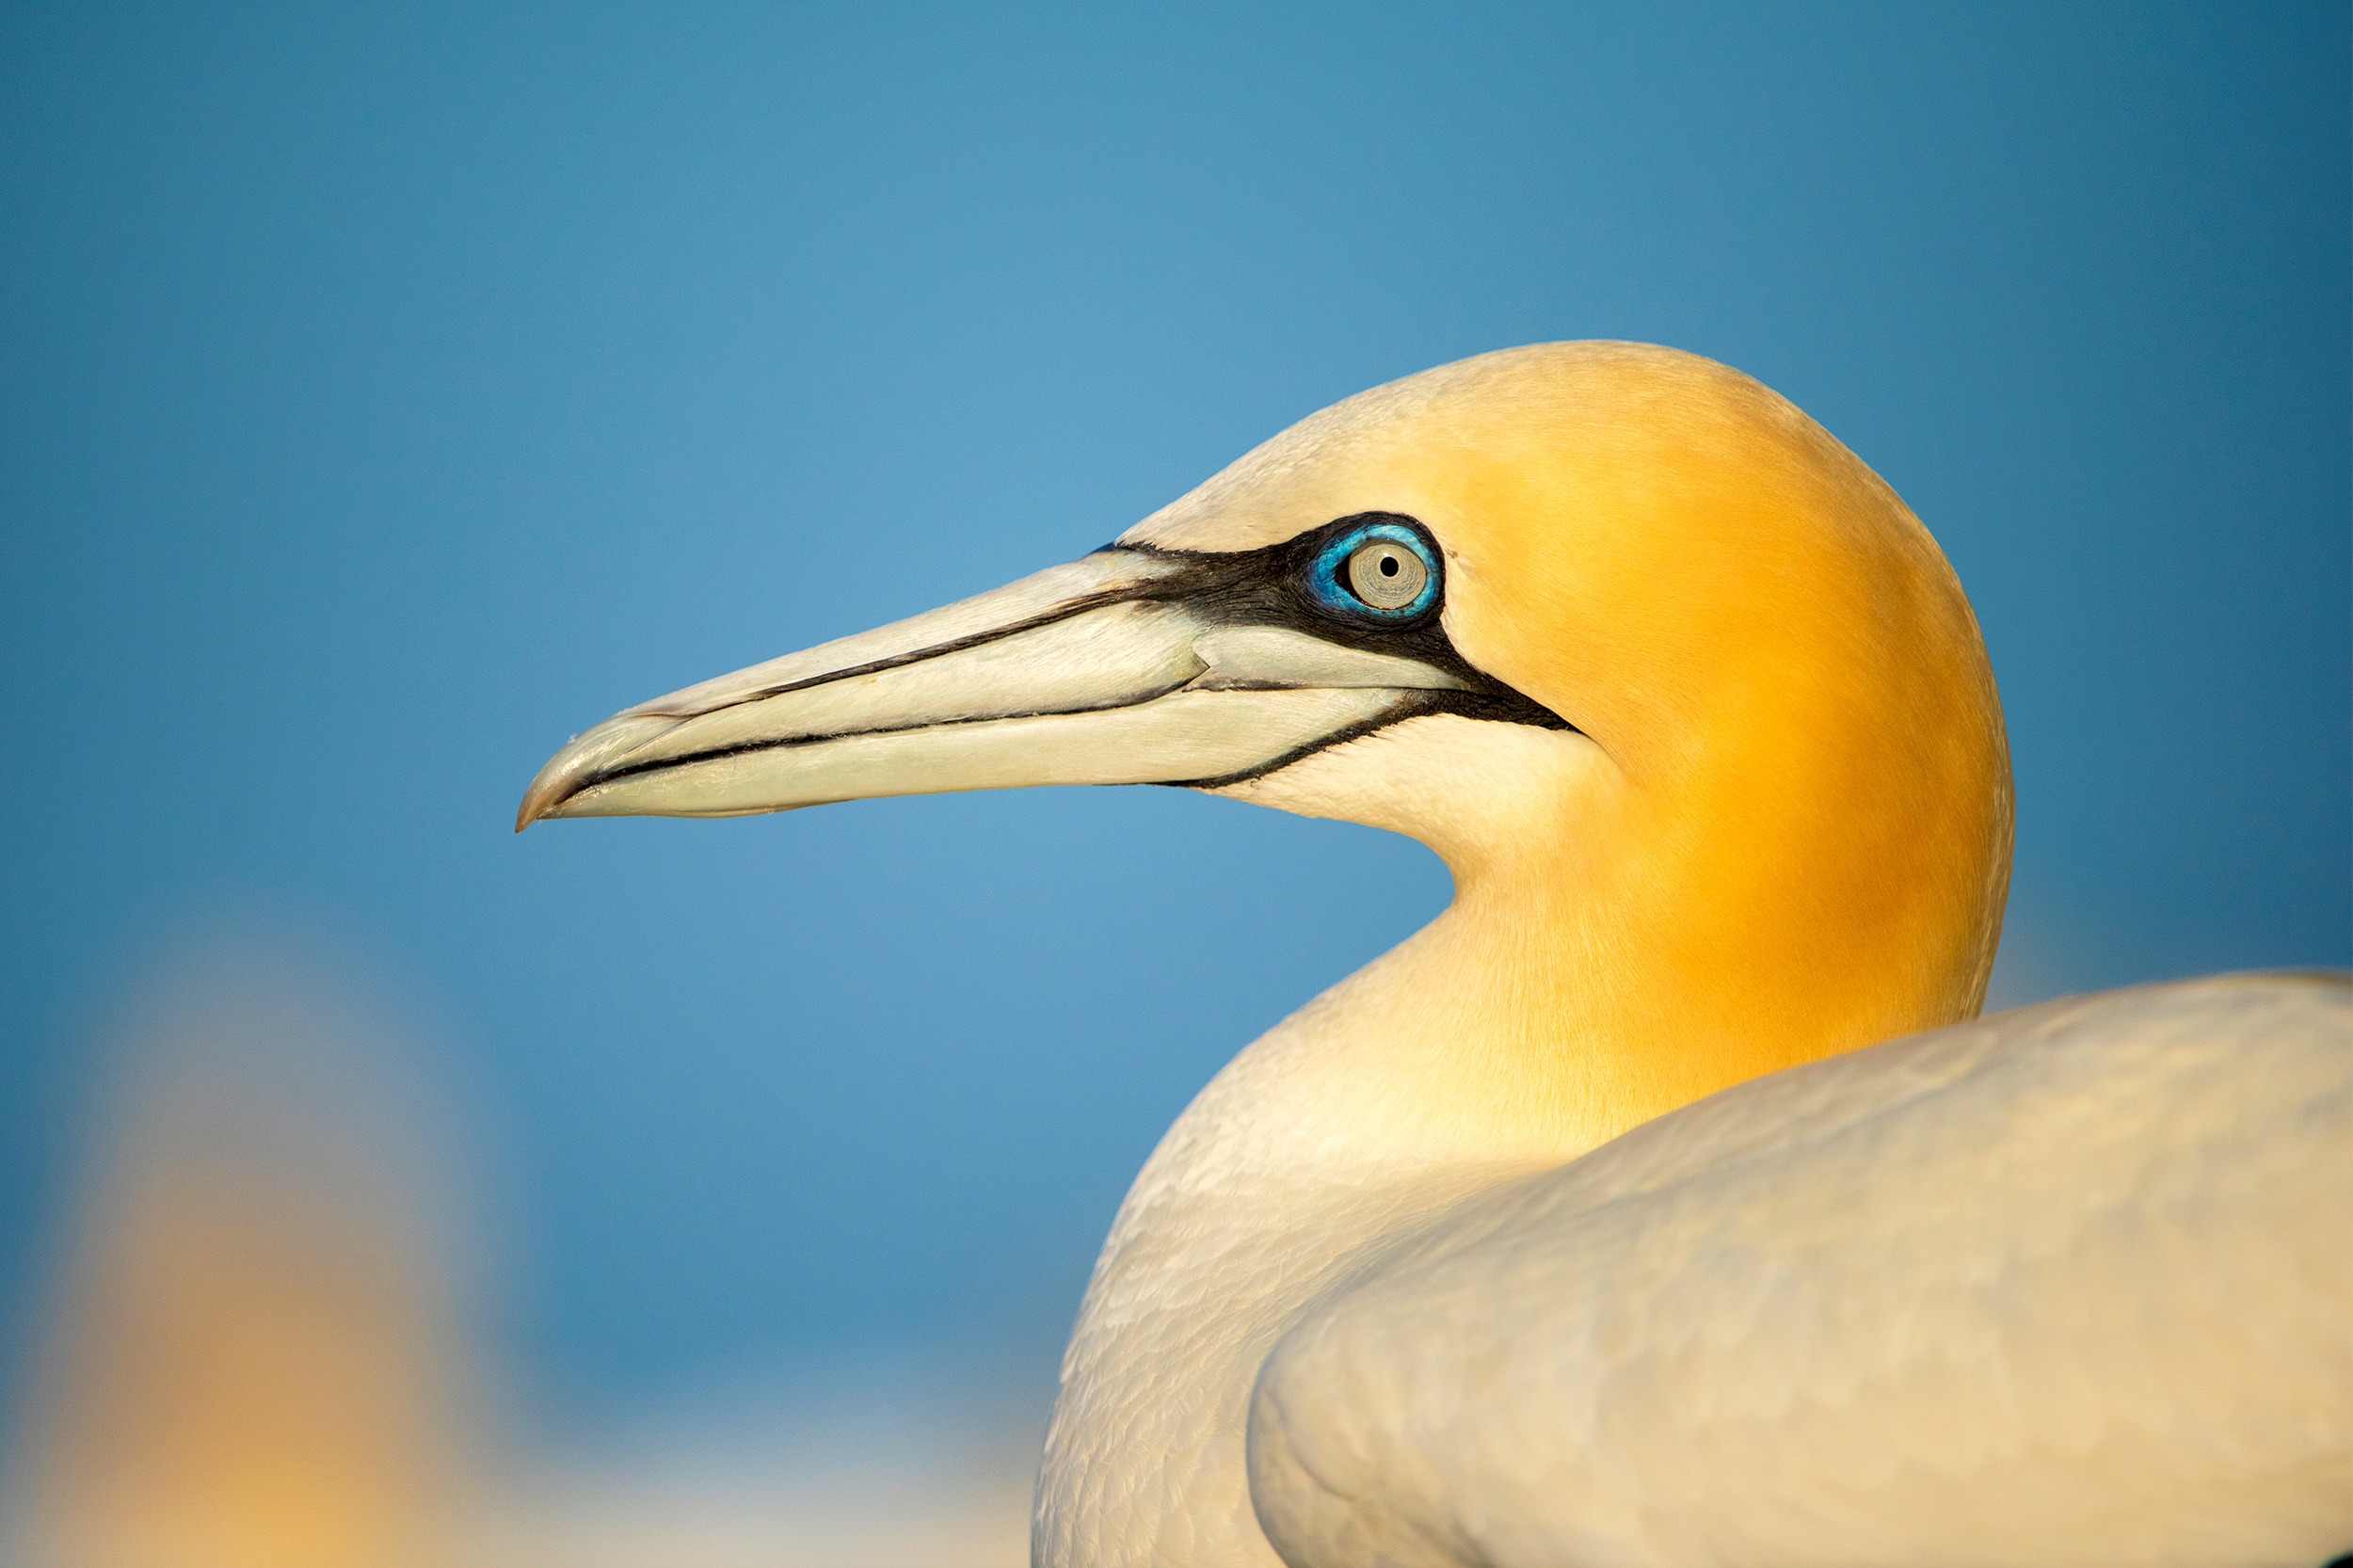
[1801, 843]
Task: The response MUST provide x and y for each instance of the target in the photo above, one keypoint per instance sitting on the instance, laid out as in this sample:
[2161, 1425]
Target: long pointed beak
[1127, 667]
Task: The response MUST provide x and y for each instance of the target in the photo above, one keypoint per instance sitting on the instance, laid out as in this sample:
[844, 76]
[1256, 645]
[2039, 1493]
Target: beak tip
[544, 799]
[583, 760]
[547, 794]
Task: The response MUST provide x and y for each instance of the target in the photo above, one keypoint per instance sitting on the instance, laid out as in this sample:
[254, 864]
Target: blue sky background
[390, 392]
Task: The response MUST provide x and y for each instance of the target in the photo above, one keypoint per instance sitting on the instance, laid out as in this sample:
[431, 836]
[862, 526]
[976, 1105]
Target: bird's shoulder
[2088, 1252]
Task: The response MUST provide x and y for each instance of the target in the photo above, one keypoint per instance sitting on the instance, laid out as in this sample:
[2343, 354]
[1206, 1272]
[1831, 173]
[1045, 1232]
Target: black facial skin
[1269, 588]
[1246, 587]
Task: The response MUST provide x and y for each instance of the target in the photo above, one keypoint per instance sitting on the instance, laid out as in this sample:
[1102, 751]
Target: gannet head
[1625, 636]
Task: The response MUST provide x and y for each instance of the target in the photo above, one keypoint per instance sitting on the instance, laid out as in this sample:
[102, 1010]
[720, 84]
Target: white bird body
[2066, 1286]
[1578, 1229]
[1803, 1321]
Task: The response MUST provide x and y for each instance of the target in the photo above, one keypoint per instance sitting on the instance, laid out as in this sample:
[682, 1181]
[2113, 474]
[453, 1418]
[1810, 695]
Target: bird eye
[1383, 572]
[1386, 575]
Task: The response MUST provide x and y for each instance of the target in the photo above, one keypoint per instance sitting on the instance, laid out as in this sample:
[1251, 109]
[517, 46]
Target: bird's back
[2089, 1258]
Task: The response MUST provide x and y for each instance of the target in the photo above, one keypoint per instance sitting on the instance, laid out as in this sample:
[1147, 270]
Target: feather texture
[2068, 1286]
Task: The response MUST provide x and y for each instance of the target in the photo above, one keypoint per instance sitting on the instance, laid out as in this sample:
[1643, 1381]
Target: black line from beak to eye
[1269, 588]
[1251, 588]
[1412, 705]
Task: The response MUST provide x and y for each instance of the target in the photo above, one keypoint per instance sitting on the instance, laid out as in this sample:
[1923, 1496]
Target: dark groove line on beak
[1254, 587]
[1414, 703]
[787, 743]
[1211, 570]
[1418, 703]
[898, 660]
[1244, 587]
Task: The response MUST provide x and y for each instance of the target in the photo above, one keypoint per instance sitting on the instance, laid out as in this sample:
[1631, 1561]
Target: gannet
[1658, 1202]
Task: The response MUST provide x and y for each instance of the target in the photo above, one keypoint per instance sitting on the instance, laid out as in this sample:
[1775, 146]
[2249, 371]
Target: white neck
[1410, 1084]
[1299, 1156]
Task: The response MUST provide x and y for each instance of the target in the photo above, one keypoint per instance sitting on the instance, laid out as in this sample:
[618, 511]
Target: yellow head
[1801, 843]
[1693, 706]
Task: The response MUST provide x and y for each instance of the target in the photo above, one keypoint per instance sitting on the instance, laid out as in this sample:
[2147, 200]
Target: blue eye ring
[1328, 574]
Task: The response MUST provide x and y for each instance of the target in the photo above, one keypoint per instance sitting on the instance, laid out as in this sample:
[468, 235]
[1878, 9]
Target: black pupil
[1388, 566]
